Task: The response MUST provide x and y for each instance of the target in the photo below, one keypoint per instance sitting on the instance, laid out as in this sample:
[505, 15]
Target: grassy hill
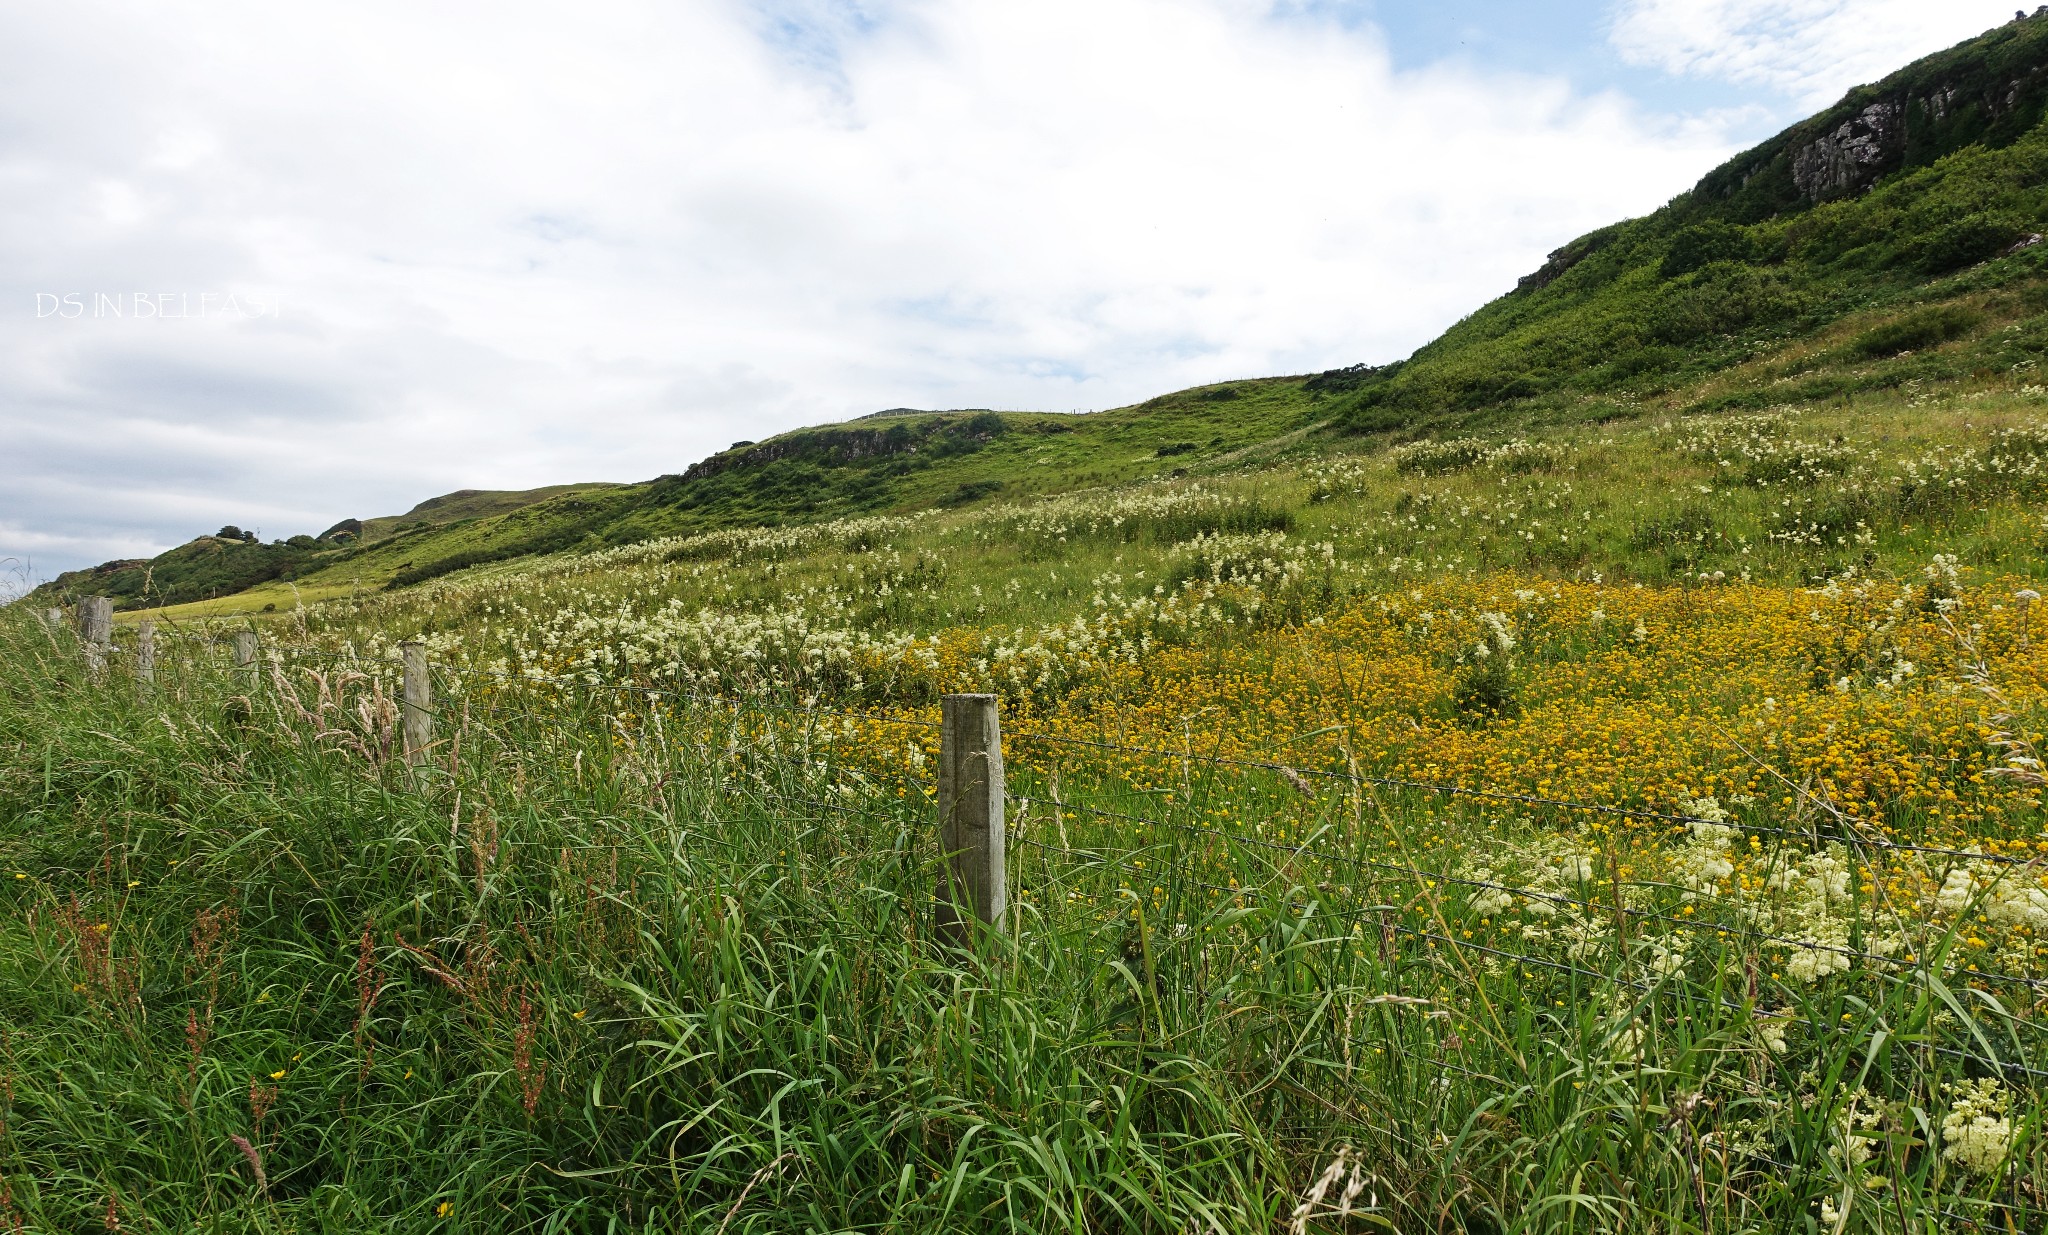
[1881, 246]
[456, 507]
[1614, 803]
[898, 461]
[1858, 250]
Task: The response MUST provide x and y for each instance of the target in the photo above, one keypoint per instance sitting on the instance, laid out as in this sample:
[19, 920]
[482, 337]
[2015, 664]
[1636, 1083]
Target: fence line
[1505, 796]
[1379, 915]
[1551, 897]
[974, 889]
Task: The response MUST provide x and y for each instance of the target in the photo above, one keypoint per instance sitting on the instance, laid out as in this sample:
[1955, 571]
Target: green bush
[970, 491]
[1485, 690]
[1440, 458]
[1965, 242]
[1928, 327]
[1721, 298]
[1703, 244]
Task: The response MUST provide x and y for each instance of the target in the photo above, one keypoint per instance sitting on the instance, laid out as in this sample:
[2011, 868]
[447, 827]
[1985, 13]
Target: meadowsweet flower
[1770, 1030]
[1976, 1132]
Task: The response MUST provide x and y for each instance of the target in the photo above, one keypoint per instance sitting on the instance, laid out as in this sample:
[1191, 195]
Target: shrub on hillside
[970, 491]
[1721, 298]
[1522, 456]
[1965, 242]
[1464, 453]
[1703, 244]
[1928, 327]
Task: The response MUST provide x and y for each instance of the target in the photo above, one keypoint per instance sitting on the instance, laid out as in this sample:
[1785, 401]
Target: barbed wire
[1378, 914]
[1502, 795]
[653, 693]
[274, 653]
[656, 693]
[1551, 897]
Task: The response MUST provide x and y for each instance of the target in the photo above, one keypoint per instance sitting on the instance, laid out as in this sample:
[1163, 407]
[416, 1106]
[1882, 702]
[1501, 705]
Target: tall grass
[601, 966]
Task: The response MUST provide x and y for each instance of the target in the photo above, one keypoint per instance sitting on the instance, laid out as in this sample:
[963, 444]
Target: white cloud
[601, 242]
[1812, 51]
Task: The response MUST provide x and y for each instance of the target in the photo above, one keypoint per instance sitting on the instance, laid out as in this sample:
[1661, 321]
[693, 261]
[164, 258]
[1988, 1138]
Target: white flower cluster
[1252, 558]
[1463, 453]
[1343, 476]
[1056, 520]
[1704, 862]
[1868, 619]
[2003, 895]
[1496, 635]
[1550, 872]
[1976, 1133]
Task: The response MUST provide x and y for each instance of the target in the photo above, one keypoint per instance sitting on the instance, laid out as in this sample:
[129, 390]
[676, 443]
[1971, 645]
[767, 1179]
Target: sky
[278, 265]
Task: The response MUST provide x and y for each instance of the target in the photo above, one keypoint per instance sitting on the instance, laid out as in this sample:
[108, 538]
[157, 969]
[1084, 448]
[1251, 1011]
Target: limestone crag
[1989, 90]
[1852, 155]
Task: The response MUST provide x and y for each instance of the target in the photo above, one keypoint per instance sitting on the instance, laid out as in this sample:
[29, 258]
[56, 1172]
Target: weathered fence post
[245, 654]
[971, 817]
[96, 629]
[419, 701]
[55, 617]
[145, 655]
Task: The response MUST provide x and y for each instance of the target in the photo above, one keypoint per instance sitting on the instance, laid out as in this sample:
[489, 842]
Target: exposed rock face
[1853, 154]
[835, 447]
[1990, 90]
[1563, 259]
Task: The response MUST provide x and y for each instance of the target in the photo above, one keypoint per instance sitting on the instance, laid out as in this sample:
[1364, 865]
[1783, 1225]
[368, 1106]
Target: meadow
[1616, 826]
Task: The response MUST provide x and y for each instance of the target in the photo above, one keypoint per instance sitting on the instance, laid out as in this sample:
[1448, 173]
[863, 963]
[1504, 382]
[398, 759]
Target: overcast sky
[363, 254]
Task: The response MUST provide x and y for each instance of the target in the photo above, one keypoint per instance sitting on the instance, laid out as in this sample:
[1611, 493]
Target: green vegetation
[1585, 777]
[465, 504]
[1753, 274]
[207, 567]
[611, 965]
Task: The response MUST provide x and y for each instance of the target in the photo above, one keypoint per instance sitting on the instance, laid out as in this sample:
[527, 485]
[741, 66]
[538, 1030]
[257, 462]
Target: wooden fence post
[245, 654]
[419, 701]
[96, 629]
[145, 655]
[971, 817]
[55, 617]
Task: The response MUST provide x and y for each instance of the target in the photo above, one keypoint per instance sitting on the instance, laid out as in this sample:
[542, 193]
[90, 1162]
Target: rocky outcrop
[840, 446]
[1852, 155]
[1564, 258]
[1986, 91]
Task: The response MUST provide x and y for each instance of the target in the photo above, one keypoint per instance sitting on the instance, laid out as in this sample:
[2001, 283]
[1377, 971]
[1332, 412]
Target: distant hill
[199, 569]
[222, 565]
[468, 504]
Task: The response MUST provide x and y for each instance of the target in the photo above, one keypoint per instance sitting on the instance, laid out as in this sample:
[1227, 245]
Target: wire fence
[814, 710]
[1399, 891]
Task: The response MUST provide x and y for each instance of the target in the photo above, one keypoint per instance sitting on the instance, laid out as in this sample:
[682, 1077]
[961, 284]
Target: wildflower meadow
[1637, 827]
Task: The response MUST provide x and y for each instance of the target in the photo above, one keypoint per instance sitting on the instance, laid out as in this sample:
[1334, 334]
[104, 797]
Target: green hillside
[1880, 247]
[202, 568]
[230, 562]
[896, 461]
[456, 507]
[1885, 241]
